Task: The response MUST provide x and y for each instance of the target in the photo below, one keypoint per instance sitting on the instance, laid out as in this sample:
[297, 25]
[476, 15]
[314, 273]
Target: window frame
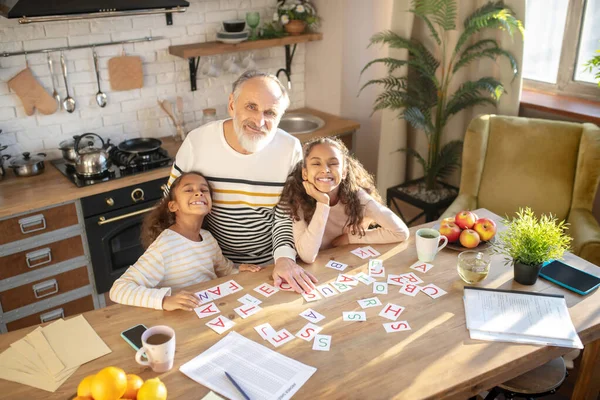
[565, 82]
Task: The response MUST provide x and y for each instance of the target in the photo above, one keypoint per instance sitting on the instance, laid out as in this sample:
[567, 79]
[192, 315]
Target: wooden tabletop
[434, 360]
[18, 195]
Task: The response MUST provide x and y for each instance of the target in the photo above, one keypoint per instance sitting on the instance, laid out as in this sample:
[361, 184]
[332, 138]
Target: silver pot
[2, 158]
[90, 160]
[67, 147]
[26, 165]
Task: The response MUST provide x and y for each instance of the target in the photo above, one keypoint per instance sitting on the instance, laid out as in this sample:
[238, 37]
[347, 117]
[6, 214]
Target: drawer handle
[52, 315]
[45, 255]
[51, 286]
[28, 224]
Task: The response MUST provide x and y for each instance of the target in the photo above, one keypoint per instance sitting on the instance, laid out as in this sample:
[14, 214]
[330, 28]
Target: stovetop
[122, 164]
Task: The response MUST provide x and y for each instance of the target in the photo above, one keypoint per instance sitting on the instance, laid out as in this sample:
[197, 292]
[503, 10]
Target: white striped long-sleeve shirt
[245, 219]
[170, 262]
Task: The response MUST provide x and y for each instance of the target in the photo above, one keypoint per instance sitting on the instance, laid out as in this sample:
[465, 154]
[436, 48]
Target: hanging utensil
[179, 104]
[69, 103]
[100, 97]
[54, 91]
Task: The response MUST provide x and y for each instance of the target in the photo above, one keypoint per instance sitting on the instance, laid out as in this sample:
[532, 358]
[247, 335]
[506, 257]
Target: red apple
[469, 238]
[449, 219]
[450, 230]
[486, 228]
[465, 219]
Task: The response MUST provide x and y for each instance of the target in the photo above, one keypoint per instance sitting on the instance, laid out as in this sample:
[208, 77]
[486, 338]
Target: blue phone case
[564, 284]
[129, 341]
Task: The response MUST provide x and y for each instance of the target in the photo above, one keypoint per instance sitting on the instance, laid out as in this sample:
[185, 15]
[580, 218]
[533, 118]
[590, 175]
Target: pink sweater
[328, 223]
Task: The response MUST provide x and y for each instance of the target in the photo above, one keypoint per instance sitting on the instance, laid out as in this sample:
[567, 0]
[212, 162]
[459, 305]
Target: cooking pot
[26, 165]
[2, 158]
[90, 160]
[67, 147]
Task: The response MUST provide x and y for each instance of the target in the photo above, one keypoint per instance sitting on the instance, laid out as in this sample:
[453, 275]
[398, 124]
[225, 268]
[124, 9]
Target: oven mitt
[32, 94]
[125, 73]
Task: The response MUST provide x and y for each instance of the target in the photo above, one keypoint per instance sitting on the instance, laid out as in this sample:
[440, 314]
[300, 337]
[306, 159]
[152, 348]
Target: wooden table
[434, 360]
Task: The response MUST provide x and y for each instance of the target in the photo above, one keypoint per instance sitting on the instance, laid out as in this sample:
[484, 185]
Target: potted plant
[529, 242]
[423, 98]
[296, 15]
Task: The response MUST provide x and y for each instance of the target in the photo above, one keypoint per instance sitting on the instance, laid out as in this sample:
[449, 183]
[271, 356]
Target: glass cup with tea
[428, 244]
[473, 266]
[158, 344]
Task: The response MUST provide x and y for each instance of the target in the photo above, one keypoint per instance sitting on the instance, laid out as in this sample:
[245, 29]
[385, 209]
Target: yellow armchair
[550, 166]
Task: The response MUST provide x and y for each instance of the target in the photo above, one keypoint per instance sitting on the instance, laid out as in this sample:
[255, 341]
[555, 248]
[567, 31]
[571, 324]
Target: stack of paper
[520, 317]
[261, 372]
[48, 356]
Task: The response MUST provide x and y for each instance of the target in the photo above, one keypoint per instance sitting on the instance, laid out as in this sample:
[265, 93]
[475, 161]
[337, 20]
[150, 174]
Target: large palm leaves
[423, 100]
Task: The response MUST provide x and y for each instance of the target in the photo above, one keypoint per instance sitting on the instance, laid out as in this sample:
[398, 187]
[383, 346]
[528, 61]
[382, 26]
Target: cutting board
[125, 73]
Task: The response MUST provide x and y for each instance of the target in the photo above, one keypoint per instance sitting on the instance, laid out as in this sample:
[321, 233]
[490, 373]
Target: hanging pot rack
[83, 46]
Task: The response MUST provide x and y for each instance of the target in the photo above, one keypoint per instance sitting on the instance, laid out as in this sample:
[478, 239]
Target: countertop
[19, 195]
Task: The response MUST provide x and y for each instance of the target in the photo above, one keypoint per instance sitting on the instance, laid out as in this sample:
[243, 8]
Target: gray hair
[237, 85]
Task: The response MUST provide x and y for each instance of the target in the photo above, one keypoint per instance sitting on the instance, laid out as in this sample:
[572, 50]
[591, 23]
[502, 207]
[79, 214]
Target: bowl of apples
[466, 231]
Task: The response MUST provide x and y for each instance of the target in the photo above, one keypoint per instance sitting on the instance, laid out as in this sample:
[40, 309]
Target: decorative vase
[295, 27]
[526, 274]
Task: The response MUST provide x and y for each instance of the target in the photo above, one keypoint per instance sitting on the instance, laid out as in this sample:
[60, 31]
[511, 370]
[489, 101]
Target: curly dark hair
[161, 217]
[294, 197]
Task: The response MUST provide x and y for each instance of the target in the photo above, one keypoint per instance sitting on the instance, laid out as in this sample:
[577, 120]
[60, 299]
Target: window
[560, 37]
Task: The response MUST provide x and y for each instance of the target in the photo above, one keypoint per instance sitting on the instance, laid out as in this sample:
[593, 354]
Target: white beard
[250, 143]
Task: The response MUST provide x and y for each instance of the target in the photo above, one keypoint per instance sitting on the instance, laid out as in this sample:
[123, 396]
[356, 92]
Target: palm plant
[422, 97]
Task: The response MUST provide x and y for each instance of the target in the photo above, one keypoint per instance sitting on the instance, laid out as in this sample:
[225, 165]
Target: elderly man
[247, 159]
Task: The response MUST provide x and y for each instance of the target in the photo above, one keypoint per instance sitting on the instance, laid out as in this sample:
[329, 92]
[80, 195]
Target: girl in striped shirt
[179, 252]
[333, 202]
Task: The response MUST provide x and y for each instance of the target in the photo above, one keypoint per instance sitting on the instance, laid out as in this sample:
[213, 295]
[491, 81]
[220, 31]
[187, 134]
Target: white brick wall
[133, 113]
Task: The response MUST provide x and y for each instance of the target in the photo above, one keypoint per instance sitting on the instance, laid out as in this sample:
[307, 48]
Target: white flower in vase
[285, 19]
[300, 8]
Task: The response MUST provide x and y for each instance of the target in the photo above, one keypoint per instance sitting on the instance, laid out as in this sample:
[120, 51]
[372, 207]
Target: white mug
[231, 66]
[248, 62]
[160, 356]
[210, 69]
[428, 244]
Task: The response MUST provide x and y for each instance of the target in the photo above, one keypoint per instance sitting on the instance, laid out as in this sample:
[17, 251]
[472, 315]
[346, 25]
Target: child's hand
[249, 268]
[181, 301]
[313, 192]
[341, 240]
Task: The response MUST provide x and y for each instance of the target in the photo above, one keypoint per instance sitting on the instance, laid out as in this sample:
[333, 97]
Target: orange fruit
[83, 398]
[152, 389]
[109, 384]
[134, 383]
[84, 390]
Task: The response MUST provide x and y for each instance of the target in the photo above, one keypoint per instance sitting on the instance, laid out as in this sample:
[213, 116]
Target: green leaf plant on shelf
[422, 97]
[528, 242]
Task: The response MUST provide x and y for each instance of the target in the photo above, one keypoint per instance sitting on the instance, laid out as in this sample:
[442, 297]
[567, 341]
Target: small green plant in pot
[528, 242]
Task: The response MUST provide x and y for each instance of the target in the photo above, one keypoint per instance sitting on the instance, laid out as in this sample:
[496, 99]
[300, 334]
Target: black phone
[133, 336]
[568, 277]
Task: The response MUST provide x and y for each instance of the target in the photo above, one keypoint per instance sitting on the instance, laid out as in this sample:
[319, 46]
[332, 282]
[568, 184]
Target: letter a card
[206, 310]
[421, 266]
[312, 316]
[220, 324]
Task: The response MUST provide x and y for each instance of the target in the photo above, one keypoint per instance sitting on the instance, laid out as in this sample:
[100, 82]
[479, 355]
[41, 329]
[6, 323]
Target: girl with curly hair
[333, 202]
[179, 252]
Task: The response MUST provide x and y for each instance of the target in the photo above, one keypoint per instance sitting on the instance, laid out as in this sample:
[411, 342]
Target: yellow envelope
[42, 347]
[74, 341]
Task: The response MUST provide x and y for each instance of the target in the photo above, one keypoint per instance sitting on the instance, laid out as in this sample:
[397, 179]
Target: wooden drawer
[64, 310]
[40, 257]
[43, 289]
[37, 223]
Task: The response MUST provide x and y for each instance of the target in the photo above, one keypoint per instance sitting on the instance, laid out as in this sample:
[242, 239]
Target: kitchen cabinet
[45, 272]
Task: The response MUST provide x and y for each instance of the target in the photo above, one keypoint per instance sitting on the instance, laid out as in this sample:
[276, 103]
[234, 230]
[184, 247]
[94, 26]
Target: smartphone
[133, 336]
[570, 278]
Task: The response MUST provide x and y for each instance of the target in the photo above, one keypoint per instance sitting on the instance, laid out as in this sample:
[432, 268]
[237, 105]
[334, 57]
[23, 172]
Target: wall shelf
[193, 52]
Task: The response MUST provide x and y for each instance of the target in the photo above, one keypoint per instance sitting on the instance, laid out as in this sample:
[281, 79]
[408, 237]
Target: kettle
[90, 160]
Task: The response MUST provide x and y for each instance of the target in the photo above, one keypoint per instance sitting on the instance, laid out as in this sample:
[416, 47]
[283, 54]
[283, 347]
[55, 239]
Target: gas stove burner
[123, 164]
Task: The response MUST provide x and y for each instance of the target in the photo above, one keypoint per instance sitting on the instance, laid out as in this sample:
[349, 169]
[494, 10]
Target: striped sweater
[245, 219]
[170, 262]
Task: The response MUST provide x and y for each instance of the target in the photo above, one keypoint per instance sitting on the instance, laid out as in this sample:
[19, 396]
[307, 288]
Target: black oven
[113, 223]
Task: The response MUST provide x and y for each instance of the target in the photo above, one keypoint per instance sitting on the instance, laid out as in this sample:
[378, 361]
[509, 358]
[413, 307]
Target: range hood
[28, 11]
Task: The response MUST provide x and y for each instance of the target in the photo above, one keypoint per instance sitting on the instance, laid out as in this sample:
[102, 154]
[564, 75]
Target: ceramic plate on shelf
[459, 247]
[232, 37]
